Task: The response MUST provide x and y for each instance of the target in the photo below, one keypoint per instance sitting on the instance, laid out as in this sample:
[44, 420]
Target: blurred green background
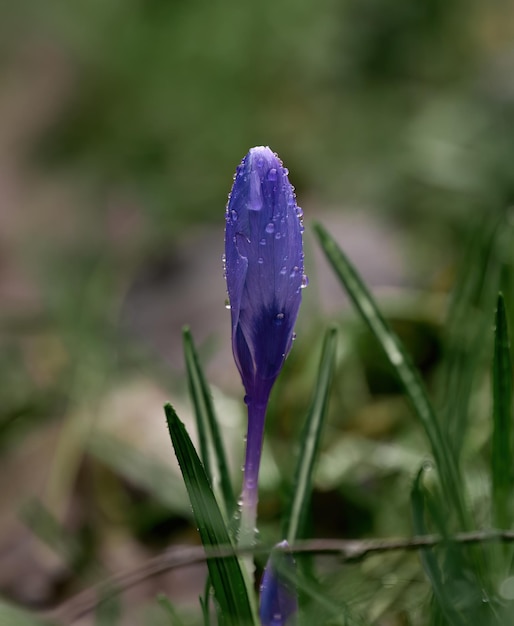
[121, 124]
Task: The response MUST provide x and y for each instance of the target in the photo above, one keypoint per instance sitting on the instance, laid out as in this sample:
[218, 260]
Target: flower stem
[250, 493]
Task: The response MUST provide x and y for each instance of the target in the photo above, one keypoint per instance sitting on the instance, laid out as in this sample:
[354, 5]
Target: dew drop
[285, 170]
[283, 270]
[299, 212]
[262, 242]
[227, 304]
[260, 260]
[278, 235]
[233, 214]
[305, 281]
[270, 228]
[272, 174]
[293, 337]
[279, 319]
[294, 272]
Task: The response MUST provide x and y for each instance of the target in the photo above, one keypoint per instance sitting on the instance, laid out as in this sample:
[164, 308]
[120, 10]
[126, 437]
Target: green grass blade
[427, 556]
[402, 365]
[467, 324]
[205, 602]
[501, 461]
[207, 424]
[226, 575]
[309, 441]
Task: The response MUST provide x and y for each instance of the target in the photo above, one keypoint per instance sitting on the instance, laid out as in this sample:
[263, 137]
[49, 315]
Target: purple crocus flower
[264, 274]
[278, 599]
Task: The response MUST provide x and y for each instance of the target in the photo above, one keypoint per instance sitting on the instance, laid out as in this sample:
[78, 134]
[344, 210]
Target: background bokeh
[121, 124]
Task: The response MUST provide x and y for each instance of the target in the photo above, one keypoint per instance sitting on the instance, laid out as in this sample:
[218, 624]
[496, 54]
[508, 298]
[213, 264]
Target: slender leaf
[467, 324]
[230, 588]
[501, 461]
[205, 602]
[427, 556]
[309, 441]
[403, 367]
[207, 424]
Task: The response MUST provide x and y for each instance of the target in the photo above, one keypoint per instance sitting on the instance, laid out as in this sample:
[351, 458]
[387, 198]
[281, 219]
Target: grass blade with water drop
[309, 442]
[404, 368]
[228, 582]
[207, 424]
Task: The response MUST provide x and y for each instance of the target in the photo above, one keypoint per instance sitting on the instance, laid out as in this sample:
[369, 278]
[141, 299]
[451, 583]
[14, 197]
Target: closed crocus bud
[278, 599]
[263, 269]
[264, 274]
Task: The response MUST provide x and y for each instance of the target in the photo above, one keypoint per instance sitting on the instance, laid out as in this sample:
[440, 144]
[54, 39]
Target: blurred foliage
[399, 104]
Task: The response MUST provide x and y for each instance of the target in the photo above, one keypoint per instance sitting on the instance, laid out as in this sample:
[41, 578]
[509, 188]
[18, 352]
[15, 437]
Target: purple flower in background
[278, 598]
[264, 274]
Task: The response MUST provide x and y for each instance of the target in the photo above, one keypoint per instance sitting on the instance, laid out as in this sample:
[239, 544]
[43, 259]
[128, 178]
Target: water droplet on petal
[283, 270]
[260, 260]
[272, 174]
[262, 242]
[294, 272]
[227, 304]
[299, 212]
[305, 281]
[270, 228]
[278, 235]
[279, 318]
[234, 216]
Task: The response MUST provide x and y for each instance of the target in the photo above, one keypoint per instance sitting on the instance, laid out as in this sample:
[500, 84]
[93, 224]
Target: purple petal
[278, 598]
[264, 268]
